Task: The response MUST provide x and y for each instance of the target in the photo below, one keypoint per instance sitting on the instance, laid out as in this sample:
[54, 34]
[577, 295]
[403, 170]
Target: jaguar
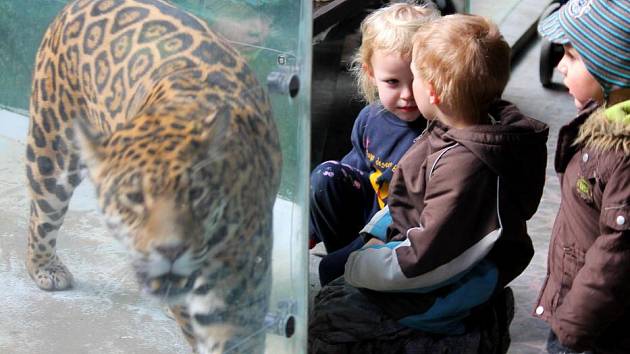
[177, 136]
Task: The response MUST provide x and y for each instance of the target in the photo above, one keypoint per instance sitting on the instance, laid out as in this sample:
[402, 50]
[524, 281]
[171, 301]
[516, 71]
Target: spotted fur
[177, 136]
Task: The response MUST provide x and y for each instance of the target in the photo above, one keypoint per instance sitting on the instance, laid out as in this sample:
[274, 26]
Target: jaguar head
[154, 188]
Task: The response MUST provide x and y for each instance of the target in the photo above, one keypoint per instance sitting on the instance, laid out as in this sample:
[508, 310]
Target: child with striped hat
[586, 296]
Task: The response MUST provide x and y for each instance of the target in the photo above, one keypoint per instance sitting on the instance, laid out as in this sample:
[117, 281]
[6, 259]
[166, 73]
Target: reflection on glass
[497, 11]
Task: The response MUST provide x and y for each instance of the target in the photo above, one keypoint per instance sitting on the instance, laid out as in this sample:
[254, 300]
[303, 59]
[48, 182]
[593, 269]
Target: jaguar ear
[89, 142]
[219, 124]
[211, 137]
[214, 129]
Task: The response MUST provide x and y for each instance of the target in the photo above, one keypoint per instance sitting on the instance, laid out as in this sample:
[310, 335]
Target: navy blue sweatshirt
[379, 140]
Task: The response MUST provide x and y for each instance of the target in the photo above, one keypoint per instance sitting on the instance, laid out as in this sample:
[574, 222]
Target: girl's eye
[569, 52]
[391, 81]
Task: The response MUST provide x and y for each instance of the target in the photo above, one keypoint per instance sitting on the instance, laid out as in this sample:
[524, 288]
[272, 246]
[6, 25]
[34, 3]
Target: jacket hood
[607, 129]
[514, 147]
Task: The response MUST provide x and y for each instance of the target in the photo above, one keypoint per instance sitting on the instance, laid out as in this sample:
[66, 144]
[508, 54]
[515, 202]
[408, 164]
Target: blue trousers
[342, 201]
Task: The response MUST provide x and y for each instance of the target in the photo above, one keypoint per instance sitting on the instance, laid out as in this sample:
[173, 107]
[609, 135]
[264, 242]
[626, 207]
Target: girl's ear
[368, 70]
[434, 98]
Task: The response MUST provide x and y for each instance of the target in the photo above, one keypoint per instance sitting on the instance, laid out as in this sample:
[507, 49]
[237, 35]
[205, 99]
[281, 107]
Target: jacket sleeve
[356, 157]
[444, 238]
[601, 289]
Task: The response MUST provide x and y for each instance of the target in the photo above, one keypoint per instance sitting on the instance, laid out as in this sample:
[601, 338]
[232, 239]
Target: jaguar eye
[135, 197]
[195, 193]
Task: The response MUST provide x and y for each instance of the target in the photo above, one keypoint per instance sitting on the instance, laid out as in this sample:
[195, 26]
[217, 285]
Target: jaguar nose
[171, 252]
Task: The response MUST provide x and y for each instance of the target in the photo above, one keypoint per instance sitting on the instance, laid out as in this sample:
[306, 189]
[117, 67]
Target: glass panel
[495, 10]
[275, 37]
[277, 44]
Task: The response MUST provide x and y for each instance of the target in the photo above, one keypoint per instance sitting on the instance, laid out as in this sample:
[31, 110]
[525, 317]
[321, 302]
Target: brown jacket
[586, 296]
[459, 196]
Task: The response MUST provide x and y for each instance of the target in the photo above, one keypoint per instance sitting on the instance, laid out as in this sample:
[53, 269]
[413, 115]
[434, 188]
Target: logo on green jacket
[584, 189]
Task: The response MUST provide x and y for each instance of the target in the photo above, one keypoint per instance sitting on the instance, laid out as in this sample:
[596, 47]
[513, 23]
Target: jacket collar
[607, 129]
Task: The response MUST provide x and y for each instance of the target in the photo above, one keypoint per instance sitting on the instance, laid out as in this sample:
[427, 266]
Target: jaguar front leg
[52, 175]
[50, 190]
[209, 321]
[52, 167]
[182, 316]
[223, 325]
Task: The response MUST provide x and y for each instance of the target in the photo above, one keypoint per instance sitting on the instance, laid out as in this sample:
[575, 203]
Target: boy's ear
[434, 98]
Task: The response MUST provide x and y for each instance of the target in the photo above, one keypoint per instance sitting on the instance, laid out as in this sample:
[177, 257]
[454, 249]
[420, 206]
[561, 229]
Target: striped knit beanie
[600, 32]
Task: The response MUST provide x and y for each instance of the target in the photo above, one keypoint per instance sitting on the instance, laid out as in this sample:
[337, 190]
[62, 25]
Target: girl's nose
[406, 93]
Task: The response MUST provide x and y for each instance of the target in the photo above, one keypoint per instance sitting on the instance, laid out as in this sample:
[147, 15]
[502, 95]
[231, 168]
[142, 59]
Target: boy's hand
[374, 241]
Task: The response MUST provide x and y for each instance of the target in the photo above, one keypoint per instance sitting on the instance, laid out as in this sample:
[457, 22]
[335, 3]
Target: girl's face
[393, 79]
[581, 84]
